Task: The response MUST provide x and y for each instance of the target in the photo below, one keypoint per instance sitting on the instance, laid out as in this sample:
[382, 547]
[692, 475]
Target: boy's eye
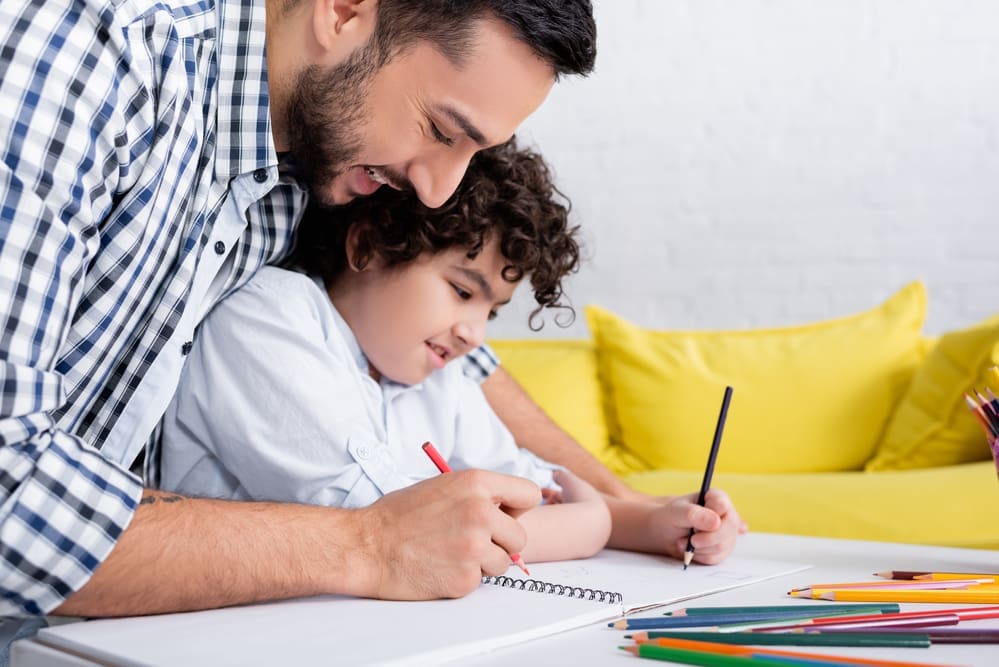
[493, 314]
[440, 136]
[462, 293]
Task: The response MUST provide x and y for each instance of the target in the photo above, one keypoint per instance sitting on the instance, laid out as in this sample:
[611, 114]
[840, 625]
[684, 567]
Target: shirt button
[185, 349]
[363, 453]
[219, 248]
[260, 175]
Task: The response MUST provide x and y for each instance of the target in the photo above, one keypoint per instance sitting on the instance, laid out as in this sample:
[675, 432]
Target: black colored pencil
[709, 470]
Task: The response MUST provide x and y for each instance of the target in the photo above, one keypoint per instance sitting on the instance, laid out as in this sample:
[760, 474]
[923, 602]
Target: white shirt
[275, 403]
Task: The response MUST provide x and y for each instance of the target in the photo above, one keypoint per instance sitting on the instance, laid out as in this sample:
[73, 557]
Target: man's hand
[439, 537]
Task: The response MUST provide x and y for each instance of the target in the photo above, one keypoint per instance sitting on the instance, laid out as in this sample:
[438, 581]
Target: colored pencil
[964, 613]
[934, 620]
[793, 608]
[936, 576]
[866, 639]
[913, 584]
[716, 621]
[688, 657]
[443, 467]
[936, 635]
[985, 420]
[709, 469]
[736, 649]
[970, 596]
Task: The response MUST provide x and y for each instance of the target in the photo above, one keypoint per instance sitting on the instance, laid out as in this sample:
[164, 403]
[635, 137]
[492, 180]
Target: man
[152, 162]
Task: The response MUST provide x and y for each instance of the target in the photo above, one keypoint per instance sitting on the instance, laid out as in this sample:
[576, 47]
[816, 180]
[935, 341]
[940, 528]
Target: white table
[833, 560]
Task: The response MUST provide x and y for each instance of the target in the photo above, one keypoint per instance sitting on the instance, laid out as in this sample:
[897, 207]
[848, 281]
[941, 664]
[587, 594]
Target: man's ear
[340, 26]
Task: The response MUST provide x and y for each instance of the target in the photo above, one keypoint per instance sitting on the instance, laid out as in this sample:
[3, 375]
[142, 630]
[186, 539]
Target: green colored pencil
[893, 640]
[688, 657]
[708, 659]
[885, 608]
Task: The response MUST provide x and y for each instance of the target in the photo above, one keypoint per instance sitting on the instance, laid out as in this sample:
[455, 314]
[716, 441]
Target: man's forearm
[534, 430]
[183, 554]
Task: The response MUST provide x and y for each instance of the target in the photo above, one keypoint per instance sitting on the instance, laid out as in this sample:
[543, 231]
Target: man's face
[412, 319]
[414, 123]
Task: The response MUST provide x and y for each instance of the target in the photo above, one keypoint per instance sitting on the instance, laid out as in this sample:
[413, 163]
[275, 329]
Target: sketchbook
[503, 611]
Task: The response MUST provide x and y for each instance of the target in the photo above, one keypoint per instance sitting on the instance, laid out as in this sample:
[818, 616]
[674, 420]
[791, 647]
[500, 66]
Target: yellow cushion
[561, 377]
[950, 506]
[807, 398]
[932, 425]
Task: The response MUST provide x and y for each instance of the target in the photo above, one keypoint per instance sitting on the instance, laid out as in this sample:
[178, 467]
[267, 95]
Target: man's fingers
[515, 495]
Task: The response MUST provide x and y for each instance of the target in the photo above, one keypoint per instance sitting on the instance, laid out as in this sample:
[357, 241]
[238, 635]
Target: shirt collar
[243, 121]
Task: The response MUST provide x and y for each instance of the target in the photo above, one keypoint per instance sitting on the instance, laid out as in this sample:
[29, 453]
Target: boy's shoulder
[276, 290]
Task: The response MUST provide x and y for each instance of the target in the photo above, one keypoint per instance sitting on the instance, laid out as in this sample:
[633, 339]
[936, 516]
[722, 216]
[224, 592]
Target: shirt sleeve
[271, 404]
[480, 363]
[62, 506]
[482, 441]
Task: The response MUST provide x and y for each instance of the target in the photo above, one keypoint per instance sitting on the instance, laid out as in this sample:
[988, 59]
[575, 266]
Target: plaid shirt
[139, 184]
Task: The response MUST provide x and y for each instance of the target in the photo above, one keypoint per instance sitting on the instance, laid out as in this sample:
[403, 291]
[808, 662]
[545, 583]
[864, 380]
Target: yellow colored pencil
[984, 595]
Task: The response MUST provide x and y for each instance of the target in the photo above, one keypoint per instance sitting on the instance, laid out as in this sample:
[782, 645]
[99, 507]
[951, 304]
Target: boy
[322, 390]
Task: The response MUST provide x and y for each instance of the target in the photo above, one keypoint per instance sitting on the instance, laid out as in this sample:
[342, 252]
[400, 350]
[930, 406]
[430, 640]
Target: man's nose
[436, 177]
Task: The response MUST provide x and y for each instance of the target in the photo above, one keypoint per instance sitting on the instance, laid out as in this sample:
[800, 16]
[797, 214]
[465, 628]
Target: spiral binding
[537, 586]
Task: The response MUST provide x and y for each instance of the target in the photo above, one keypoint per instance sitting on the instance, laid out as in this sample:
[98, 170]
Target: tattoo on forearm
[149, 500]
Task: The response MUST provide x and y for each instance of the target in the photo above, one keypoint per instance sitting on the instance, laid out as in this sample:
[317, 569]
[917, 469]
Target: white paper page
[645, 581]
[325, 630]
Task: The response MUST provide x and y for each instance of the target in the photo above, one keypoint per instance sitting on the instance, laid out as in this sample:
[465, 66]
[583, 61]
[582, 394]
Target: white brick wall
[769, 162]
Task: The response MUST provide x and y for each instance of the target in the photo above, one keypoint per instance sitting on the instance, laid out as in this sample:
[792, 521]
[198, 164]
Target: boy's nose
[471, 335]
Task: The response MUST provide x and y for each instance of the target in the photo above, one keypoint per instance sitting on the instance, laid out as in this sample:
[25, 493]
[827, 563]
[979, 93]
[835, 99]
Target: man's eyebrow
[479, 279]
[474, 133]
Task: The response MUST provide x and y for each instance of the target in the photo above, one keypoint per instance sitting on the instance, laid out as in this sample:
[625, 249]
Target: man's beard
[324, 117]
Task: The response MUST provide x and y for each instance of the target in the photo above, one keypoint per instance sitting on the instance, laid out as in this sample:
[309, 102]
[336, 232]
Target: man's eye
[440, 136]
[462, 293]
[493, 314]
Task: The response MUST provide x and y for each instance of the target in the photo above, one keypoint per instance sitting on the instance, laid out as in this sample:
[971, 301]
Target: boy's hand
[575, 489]
[716, 526]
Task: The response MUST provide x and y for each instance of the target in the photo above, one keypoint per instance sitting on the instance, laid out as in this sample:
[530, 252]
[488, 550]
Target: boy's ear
[357, 259]
[341, 26]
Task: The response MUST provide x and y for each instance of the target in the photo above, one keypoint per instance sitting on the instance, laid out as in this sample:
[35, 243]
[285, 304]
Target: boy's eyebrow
[474, 133]
[479, 279]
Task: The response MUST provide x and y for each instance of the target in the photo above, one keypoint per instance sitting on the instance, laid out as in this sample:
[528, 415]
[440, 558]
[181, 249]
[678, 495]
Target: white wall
[766, 162]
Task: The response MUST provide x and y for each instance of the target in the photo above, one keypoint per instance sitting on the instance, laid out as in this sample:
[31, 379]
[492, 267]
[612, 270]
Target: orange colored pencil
[736, 649]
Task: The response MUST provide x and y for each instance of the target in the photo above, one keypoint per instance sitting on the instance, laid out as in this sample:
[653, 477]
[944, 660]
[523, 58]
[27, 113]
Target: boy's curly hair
[507, 193]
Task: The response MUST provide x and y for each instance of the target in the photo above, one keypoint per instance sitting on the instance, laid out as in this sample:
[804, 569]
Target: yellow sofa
[898, 456]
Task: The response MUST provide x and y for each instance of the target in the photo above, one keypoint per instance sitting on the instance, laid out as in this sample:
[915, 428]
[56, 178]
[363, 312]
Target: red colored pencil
[884, 621]
[435, 456]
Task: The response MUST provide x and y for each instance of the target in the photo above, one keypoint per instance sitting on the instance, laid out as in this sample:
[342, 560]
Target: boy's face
[412, 319]
[415, 122]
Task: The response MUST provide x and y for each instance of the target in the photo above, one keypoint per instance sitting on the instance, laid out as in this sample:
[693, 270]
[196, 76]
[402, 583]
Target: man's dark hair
[560, 32]
[507, 194]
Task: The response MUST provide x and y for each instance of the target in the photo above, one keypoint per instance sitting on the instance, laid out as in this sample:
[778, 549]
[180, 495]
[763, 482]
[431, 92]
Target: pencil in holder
[985, 407]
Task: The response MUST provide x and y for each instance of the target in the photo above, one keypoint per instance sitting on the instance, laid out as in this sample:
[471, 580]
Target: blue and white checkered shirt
[139, 184]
